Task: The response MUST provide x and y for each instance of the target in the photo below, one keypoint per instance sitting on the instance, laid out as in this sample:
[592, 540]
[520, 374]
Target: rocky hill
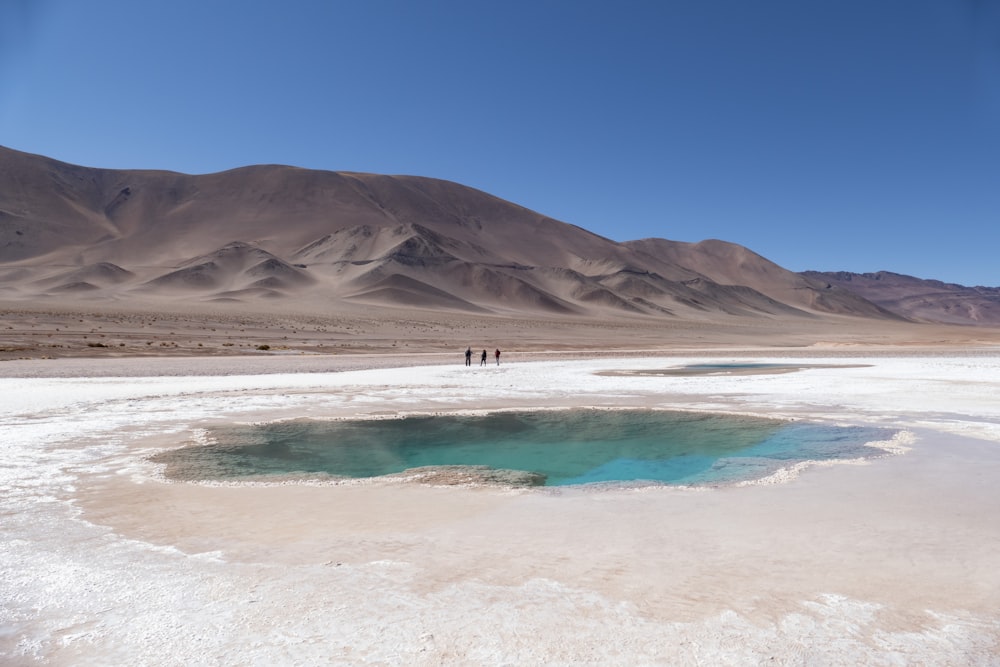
[919, 299]
[267, 235]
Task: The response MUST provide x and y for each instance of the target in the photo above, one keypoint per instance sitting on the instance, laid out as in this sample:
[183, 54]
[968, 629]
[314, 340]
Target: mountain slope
[917, 298]
[323, 238]
[730, 264]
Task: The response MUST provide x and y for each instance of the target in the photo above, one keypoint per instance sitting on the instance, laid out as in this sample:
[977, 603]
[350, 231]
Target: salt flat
[888, 562]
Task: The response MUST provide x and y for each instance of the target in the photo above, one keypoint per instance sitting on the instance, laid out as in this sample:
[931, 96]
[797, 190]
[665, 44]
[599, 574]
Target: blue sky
[856, 135]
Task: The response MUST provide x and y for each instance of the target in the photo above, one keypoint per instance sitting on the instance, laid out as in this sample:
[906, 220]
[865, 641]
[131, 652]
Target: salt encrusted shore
[888, 562]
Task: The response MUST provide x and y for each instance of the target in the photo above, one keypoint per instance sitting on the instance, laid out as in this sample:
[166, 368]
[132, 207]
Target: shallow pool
[553, 448]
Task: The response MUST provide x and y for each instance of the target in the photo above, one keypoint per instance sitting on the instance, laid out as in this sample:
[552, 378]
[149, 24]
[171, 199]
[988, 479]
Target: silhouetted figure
[468, 357]
[497, 354]
[482, 360]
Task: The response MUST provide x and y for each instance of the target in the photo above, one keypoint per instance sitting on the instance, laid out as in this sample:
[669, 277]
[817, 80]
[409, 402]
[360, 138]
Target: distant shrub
[263, 347]
[96, 345]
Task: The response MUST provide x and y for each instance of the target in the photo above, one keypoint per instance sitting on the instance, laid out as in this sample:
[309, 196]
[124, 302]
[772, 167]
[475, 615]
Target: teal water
[566, 447]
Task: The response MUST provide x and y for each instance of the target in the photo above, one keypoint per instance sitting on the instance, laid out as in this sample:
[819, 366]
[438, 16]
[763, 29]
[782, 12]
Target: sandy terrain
[103, 562]
[62, 331]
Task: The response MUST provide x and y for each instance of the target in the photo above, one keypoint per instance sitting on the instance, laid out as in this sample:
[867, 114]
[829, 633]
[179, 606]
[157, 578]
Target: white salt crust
[81, 583]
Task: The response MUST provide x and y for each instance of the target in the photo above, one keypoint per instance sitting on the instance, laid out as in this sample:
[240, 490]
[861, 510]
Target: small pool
[545, 448]
[732, 368]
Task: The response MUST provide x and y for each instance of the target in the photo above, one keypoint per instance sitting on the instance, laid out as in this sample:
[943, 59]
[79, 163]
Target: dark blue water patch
[557, 447]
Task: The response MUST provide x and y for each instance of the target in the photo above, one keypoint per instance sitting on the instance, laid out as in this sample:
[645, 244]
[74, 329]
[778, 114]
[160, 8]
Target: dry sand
[63, 331]
[889, 562]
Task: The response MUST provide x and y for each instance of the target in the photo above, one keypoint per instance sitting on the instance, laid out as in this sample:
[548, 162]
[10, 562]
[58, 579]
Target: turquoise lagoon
[560, 447]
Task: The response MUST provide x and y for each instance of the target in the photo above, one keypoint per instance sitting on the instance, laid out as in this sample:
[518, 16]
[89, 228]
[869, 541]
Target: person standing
[468, 356]
[497, 354]
[482, 360]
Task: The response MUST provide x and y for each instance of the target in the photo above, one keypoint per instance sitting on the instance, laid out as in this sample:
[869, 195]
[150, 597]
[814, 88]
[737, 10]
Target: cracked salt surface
[887, 563]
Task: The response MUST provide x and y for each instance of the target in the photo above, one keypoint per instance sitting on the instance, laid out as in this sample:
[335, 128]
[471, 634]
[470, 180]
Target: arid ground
[100, 331]
[104, 561]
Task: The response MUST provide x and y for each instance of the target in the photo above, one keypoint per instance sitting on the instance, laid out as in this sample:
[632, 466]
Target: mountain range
[273, 236]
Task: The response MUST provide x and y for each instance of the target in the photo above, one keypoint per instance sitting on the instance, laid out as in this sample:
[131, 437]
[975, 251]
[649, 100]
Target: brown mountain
[916, 298]
[320, 238]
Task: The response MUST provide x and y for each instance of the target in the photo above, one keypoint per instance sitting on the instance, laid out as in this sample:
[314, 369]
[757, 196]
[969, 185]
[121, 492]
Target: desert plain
[141, 309]
[888, 561]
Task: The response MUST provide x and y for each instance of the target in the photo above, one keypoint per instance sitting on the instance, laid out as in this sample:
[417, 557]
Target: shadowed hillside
[916, 298]
[320, 238]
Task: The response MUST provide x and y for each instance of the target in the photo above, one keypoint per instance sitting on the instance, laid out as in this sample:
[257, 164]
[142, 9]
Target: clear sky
[857, 135]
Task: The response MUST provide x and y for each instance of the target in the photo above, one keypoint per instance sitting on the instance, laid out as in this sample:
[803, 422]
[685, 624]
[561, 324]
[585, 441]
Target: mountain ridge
[919, 299]
[327, 238]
